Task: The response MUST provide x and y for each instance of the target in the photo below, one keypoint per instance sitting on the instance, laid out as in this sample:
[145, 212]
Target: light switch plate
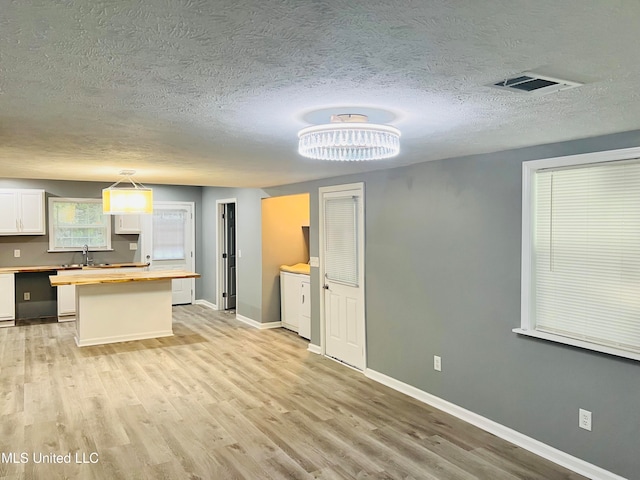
[437, 363]
[16, 253]
[314, 261]
[133, 246]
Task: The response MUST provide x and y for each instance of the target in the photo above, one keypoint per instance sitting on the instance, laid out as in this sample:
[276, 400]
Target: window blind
[587, 253]
[341, 241]
[168, 235]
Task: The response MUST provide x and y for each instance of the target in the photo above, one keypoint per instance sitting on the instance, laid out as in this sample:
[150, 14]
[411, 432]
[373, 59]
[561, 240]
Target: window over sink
[75, 222]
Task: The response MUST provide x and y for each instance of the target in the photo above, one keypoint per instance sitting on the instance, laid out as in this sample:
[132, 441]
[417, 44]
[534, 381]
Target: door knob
[326, 287]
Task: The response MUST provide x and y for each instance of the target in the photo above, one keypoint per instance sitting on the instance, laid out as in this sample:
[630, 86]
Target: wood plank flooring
[221, 400]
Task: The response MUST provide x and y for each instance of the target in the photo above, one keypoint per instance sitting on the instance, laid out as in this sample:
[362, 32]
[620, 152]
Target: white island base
[119, 312]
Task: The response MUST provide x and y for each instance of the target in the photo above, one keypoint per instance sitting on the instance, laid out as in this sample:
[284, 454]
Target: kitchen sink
[79, 265]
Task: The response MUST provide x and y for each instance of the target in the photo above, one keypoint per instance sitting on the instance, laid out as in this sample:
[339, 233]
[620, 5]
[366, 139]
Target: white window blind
[341, 241]
[587, 253]
[168, 234]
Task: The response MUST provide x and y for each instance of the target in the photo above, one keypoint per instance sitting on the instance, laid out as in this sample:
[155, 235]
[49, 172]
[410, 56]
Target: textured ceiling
[213, 92]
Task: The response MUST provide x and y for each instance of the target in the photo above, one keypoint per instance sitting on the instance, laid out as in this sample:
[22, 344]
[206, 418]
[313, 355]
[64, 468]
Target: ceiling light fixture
[349, 137]
[124, 200]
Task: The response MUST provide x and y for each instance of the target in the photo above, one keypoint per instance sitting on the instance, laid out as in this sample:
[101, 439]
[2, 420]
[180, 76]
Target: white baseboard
[207, 303]
[123, 338]
[258, 325]
[314, 348]
[550, 453]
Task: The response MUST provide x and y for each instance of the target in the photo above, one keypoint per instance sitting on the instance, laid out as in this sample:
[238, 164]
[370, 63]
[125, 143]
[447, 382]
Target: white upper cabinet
[22, 212]
[127, 224]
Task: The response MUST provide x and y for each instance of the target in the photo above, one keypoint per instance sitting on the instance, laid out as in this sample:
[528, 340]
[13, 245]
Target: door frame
[361, 264]
[146, 224]
[220, 233]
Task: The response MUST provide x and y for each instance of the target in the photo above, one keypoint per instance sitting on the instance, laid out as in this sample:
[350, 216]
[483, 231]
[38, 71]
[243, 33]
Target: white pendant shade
[134, 199]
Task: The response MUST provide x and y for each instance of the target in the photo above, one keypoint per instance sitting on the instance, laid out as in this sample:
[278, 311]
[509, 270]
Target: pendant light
[128, 199]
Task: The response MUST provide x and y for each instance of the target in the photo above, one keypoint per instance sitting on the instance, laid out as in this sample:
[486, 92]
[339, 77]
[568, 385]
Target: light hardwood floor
[220, 400]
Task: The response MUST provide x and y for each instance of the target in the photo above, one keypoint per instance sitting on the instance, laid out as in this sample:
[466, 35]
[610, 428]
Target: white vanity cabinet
[7, 299]
[67, 293]
[295, 301]
[127, 224]
[22, 211]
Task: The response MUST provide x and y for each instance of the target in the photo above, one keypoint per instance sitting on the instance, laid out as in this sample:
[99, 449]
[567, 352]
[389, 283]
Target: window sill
[80, 250]
[578, 343]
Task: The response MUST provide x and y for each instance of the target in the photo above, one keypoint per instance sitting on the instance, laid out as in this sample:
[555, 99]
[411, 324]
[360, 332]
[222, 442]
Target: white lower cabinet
[67, 293]
[7, 299]
[66, 300]
[295, 301]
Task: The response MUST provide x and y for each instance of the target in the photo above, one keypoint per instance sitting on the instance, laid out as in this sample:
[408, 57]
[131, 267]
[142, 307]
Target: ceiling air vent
[532, 83]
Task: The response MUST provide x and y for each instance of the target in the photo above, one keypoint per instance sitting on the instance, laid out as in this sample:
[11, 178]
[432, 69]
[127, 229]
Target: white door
[168, 244]
[342, 264]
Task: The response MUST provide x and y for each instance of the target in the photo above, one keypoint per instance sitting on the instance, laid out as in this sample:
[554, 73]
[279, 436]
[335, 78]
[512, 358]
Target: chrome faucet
[85, 254]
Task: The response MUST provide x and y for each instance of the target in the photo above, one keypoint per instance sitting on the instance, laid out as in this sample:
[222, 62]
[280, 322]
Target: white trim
[584, 158]
[220, 241]
[123, 338]
[314, 349]
[258, 325]
[529, 168]
[525, 256]
[577, 343]
[321, 192]
[532, 445]
[206, 303]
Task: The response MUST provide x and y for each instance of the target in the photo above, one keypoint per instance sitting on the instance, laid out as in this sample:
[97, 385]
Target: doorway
[226, 254]
[168, 243]
[343, 329]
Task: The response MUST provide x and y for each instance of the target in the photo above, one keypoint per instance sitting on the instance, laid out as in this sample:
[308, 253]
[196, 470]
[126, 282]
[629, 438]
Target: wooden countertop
[51, 268]
[96, 278]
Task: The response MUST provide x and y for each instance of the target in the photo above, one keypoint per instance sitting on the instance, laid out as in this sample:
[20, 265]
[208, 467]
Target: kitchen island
[119, 307]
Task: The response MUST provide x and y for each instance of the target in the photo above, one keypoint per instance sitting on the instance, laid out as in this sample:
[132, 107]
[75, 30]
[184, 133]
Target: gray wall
[443, 278]
[33, 248]
[249, 242]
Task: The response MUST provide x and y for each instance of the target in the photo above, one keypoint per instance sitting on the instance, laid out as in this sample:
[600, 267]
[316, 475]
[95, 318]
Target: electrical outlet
[27, 295]
[437, 363]
[584, 420]
[16, 253]
[133, 246]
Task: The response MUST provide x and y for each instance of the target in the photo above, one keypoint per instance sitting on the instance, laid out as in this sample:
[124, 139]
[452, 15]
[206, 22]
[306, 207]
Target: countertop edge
[54, 268]
[98, 278]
